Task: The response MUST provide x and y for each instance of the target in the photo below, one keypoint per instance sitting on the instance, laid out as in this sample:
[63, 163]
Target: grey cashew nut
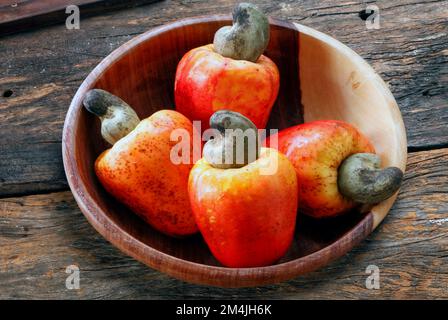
[117, 117]
[247, 38]
[361, 179]
[236, 141]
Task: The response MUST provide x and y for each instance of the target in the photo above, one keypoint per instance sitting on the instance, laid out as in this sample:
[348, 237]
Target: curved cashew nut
[117, 117]
[361, 179]
[247, 38]
[236, 142]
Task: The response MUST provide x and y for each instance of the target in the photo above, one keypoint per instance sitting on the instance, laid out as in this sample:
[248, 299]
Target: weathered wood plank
[41, 235]
[40, 166]
[16, 16]
[42, 70]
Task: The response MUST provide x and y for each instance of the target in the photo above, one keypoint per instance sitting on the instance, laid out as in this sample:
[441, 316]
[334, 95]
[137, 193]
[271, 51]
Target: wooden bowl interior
[143, 76]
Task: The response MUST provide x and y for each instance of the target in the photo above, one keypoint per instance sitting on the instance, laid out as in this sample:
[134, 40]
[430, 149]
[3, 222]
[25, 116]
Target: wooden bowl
[320, 79]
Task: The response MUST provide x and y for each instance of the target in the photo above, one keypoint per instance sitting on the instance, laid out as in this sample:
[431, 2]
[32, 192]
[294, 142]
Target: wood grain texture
[41, 235]
[16, 16]
[409, 52]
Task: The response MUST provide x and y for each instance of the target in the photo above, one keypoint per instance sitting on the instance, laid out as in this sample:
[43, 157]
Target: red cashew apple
[231, 73]
[247, 218]
[336, 167]
[138, 170]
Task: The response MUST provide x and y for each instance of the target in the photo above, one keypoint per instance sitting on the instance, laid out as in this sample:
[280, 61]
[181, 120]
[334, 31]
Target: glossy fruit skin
[247, 219]
[138, 172]
[316, 149]
[207, 82]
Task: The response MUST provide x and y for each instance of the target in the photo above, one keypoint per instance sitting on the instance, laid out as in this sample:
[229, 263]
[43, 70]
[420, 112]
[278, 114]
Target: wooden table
[42, 231]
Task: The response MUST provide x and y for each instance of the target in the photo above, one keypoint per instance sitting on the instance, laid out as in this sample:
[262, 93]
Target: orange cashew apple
[336, 167]
[138, 170]
[231, 73]
[246, 216]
